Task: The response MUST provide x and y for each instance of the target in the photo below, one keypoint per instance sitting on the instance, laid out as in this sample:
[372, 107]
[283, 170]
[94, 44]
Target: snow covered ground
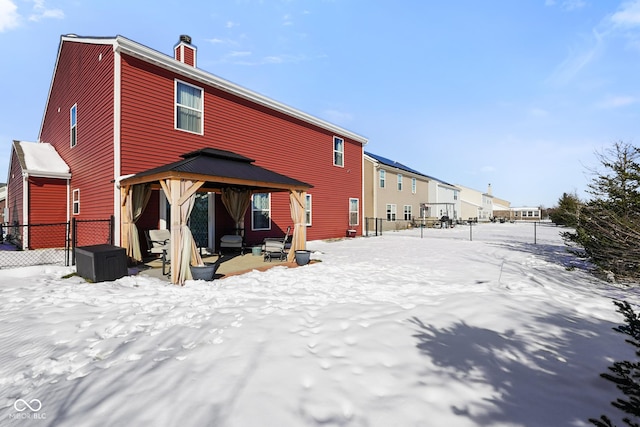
[396, 330]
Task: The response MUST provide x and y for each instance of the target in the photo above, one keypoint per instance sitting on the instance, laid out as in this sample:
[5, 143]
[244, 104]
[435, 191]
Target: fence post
[74, 239]
[535, 234]
[470, 232]
[112, 229]
[67, 244]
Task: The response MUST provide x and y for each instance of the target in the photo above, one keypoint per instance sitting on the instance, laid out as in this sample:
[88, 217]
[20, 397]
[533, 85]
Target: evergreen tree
[626, 374]
[608, 227]
[567, 211]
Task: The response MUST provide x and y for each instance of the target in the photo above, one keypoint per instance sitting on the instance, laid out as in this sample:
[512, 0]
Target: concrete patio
[229, 265]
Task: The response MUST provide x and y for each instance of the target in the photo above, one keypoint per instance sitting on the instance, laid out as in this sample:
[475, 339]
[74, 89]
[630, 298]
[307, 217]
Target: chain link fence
[23, 245]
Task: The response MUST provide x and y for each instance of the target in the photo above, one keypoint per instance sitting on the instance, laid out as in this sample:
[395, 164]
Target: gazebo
[232, 175]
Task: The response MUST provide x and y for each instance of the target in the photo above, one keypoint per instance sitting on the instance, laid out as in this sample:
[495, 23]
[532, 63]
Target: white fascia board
[147, 54]
[41, 174]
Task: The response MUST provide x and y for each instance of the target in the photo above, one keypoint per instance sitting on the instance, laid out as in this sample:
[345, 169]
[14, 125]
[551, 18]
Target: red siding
[189, 56]
[15, 191]
[84, 76]
[278, 142]
[47, 205]
[47, 200]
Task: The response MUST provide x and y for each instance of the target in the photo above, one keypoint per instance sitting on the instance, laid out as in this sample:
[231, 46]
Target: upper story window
[338, 151]
[73, 125]
[261, 211]
[383, 178]
[399, 182]
[455, 195]
[307, 209]
[414, 185]
[188, 107]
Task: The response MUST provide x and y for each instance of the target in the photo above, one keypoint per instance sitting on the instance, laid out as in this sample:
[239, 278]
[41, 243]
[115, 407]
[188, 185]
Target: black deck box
[100, 263]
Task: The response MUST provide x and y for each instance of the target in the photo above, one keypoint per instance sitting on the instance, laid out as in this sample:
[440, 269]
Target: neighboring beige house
[475, 204]
[502, 209]
[443, 200]
[393, 192]
[527, 213]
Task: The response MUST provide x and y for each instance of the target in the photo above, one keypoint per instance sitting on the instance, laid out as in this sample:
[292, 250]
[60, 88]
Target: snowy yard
[396, 330]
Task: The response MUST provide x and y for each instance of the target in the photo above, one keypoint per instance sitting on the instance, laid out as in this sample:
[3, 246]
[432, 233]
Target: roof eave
[124, 45]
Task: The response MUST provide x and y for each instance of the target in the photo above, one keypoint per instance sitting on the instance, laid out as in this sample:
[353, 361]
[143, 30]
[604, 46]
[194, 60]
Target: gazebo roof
[219, 168]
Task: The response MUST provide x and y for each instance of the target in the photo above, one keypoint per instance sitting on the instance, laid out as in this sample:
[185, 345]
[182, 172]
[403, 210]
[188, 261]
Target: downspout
[117, 149]
[25, 210]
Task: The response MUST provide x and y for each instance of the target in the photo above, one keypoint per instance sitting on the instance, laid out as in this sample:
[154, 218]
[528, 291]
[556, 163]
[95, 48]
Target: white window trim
[253, 228]
[399, 182]
[404, 212]
[308, 209]
[176, 105]
[73, 127]
[382, 178]
[357, 212]
[391, 211]
[75, 201]
[336, 151]
[414, 185]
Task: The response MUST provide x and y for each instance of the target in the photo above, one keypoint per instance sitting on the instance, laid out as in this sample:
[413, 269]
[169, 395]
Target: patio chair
[232, 241]
[159, 242]
[276, 246]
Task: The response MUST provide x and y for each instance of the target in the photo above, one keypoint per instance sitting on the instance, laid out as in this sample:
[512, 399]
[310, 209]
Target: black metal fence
[373, 226]
[37, 244]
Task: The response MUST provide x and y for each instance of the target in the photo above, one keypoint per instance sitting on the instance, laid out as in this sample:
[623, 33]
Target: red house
[117, 108]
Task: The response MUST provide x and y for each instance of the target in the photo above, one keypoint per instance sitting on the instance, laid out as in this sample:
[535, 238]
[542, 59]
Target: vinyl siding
[15, 191]
[277, 142]
[84, 76]
[47, 205]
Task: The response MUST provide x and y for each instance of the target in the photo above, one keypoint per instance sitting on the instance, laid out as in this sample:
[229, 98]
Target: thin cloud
[337, 116]
[628, 15]
[617, 102]
[287, 20]
[41, 11]
[487, 169]
[538, 112]
[9, 16]
[231, 24]
[568, 5]
[576, 61]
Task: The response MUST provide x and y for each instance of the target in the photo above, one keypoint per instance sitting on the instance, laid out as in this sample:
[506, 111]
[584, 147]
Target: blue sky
[519, 94]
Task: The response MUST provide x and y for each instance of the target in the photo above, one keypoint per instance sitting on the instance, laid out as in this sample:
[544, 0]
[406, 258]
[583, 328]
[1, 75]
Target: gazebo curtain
[297, 204]
[138, 197]
[187, 251]
[236, 200]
